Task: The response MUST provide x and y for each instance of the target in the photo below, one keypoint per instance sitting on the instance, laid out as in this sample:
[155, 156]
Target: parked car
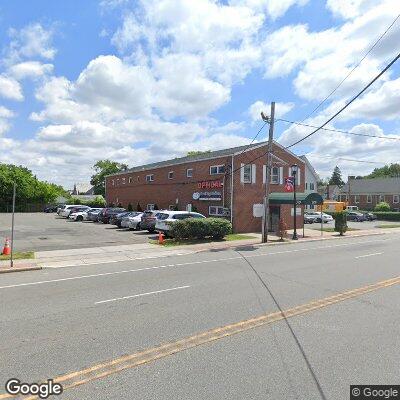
[132, 221]
[50, 209]
[106, 213]
[326, 218]
[93, 213]
[116, 219]
[166, 218]
[355, 216]
[352, 208]
[82, 215]
[60, 208]
[148, 221]
[309, 219]
[77, 209]
[370, 216]
[64, 212]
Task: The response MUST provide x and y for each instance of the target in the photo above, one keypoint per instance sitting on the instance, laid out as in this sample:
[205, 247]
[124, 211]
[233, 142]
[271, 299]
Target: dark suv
[106, 213]
[149, 219]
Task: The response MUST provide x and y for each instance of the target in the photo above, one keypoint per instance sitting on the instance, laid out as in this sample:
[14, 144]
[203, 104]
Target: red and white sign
[289, 184]
[210, 185]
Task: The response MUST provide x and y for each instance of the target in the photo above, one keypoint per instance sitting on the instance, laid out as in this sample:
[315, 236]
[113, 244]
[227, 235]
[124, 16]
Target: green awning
[301, 198]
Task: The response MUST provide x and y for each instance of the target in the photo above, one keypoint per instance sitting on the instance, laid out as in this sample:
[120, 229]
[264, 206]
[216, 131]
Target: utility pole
[12, 228]
[265, 220]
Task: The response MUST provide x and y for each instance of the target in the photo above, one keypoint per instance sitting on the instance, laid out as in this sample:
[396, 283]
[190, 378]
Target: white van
[351, 208]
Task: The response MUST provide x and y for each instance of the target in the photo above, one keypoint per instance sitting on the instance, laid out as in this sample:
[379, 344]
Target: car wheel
[138, 227]
[79, 218]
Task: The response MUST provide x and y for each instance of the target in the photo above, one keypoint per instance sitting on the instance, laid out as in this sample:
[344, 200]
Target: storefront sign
[258, 210]
[207, 196]
[210, 185]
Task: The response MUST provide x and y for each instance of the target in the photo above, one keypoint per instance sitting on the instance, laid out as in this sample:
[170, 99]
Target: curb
[20, 269]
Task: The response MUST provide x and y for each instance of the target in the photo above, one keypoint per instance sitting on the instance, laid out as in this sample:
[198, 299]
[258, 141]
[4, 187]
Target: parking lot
[40, 231]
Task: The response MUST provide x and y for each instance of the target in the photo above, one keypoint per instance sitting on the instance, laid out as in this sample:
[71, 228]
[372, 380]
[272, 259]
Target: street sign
[258, 210]
[289, 183]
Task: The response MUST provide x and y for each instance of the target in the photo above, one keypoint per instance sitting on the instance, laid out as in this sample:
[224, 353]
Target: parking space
[40, 232]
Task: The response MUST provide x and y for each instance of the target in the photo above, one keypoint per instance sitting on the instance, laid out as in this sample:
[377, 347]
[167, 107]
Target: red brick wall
[364, 205]
[164, 191]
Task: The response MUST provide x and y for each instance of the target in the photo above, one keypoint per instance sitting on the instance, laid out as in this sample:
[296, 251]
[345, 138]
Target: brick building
[205, 184]
[367, 193]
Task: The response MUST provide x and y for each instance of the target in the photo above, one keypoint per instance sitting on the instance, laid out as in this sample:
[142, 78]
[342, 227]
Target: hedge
[388, 215]
[199, 228]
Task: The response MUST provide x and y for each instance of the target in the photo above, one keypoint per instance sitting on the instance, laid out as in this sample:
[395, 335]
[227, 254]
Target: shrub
[382, 206]
[341, 222]
[130, 207]
[282, 229]
[199, 228]
[388, 216]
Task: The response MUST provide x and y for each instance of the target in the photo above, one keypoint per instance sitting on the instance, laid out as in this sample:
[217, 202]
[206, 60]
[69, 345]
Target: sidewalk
[111, 254]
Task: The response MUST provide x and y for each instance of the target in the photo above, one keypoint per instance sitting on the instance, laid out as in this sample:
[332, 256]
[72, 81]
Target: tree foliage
[196, 153]
[103, 168]
[382, 206]
[388, 171]
[336, 178]
[341, 222]
[29, 190]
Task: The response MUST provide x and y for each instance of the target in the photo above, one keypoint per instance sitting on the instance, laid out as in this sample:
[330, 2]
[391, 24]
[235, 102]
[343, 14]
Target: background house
[311, 179]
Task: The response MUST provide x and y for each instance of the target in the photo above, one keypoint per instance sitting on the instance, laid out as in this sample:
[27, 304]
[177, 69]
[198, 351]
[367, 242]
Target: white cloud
[5, 115]
[30, 42]
[280, 109]
[30, 69]
[10, 88]
[350, 8]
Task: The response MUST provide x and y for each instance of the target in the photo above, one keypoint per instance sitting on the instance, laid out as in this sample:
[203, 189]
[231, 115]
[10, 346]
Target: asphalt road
[41, 231]
[58, 321]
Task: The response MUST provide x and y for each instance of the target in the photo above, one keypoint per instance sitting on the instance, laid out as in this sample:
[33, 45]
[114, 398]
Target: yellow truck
[333, 206]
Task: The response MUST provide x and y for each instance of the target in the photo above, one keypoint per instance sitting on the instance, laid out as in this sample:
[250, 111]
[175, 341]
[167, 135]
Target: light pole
[294, 173]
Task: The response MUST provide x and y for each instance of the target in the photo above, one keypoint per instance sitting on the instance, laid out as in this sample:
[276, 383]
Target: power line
[338, 130]
[354, 68]
[352, 159]
[347, 104]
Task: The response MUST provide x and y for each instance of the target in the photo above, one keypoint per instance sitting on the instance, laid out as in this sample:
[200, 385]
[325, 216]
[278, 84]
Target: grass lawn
[389, 226]
[227, 238]
[19, 255]
[333, 229]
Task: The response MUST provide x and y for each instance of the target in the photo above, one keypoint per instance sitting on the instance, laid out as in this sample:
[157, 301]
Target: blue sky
[140, 81]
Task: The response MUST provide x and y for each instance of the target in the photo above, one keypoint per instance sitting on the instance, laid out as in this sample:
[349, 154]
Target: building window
[396, 198]
[356, 199]
[217, 169]
[123, 181]
[275, 175]
[150, 178]
[306, 185]
[113, 182]
[369, 198]
[171, 175]
[189, 173]
[247, 174]
[312, 187]
[117, 181]
[130, 180]
[381, 198]
[150, 207]
[171, 207]
[216, 210]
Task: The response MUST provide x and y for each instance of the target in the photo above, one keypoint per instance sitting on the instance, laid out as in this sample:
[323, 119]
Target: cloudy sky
[140, 81]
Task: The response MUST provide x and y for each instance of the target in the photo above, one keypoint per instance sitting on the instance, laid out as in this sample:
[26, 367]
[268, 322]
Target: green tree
[382, 206]
[196, 153]
[336, 178]
[341, 222]
[388, 171]
[103, 168]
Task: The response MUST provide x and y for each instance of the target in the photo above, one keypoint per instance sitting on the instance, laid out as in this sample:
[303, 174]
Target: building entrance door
[274, 216]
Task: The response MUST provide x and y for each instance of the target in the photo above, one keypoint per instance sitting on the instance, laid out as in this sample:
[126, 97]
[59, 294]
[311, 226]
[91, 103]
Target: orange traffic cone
[7, 249]
[160, 238]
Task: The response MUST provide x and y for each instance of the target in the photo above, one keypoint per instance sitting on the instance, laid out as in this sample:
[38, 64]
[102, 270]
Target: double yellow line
[107, 368]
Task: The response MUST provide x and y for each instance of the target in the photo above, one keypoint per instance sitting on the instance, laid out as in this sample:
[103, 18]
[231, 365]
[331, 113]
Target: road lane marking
[104, 369]
[369, 255]
[141, 294]
[182, 264]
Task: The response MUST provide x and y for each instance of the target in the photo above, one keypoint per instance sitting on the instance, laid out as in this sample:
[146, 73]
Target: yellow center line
[107, 368]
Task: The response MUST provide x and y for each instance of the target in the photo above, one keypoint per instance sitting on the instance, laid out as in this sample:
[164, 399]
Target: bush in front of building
[382, 206]
[341, 222]
[200, 228]
[388, 215]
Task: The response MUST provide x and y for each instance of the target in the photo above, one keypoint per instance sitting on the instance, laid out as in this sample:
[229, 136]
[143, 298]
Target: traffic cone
[160, 238]
[7, 249]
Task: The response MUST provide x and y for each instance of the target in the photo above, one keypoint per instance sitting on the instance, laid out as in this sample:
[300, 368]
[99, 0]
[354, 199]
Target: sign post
[12, 227]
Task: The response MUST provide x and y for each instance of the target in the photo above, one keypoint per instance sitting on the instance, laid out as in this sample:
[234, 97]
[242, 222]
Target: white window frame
[381, 198]
[356, 199]
[171, 175]
[150, 207]
[130, 179]
[396, 196]
[150, 178]
[113, 182]
[171, 207]
[313, 186]
[247, 173]
[189, 174]
[123, 181]
[369, 198]
[219, 211]
[117, 181]
[220, 169]
[306, 186]
[277, 176]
